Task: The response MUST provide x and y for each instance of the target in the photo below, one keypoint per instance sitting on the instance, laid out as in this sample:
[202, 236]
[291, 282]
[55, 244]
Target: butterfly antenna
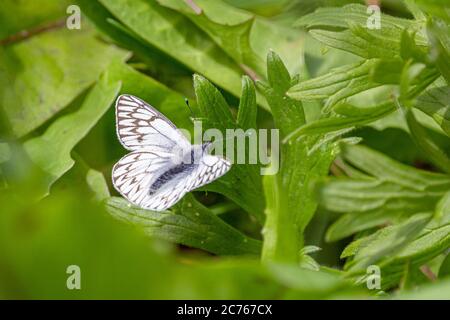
[189, 107]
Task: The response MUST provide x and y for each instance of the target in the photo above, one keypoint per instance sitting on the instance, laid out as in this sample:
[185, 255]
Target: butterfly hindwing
[134, 173]
[139, 125]
[210, 168]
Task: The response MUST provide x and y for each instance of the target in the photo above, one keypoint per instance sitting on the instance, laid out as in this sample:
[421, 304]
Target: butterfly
[162, 165]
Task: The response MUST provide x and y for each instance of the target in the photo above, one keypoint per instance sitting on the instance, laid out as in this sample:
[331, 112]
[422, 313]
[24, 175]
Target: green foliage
[190, 224]
[41, 76]
[62, 135]
[314, 71]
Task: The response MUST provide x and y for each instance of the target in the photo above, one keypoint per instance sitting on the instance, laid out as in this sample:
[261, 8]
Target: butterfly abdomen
[169, 175]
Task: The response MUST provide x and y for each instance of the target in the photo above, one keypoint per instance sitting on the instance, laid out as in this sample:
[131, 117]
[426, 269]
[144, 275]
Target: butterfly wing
[139, 125]
[191, 177]
[210, 168]
[135, 172]
[151, 176]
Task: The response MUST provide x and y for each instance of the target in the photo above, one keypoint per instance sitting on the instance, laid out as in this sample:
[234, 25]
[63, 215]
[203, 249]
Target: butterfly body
[162, 165]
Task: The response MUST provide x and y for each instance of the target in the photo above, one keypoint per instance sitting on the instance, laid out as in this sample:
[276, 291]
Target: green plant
[364, 122]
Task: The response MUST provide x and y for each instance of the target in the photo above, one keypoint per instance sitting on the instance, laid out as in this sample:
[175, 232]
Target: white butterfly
[162, 165]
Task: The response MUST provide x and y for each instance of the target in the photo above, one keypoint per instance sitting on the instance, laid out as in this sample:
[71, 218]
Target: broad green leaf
[179, 38]
[51, 150]
[42, 75]
[228, 27]
[159, 63]
[27, 14]
[242, 184]
[337, 85]
[245, 37]
[190, 224]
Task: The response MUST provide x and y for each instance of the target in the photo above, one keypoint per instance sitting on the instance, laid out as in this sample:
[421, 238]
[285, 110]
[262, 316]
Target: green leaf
[432, 291]
[179, 38]
[346, 29]
[409, 49]
[97, 183]
[281, 236]
[444, 270]
[51, 150]
[190, 224]
[430, 244]
[242, 184]
[288, 113]
[316, 281]
[228, 27]
[438, 8]
[168, 101]
[438, 34]
[339, 17]
[42, 75]
[116, 260]
[307, 261]
[362, 42]
[29, 14]
[392, 192]
[385, 243]
[246, 117]
[435, 103]
[442, 212]
[290, 199]
[348, 116]
[337, 85]
[425, 143]
[159, 63]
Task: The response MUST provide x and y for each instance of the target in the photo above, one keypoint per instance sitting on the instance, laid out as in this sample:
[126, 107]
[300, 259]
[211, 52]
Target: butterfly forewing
[139, 125]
